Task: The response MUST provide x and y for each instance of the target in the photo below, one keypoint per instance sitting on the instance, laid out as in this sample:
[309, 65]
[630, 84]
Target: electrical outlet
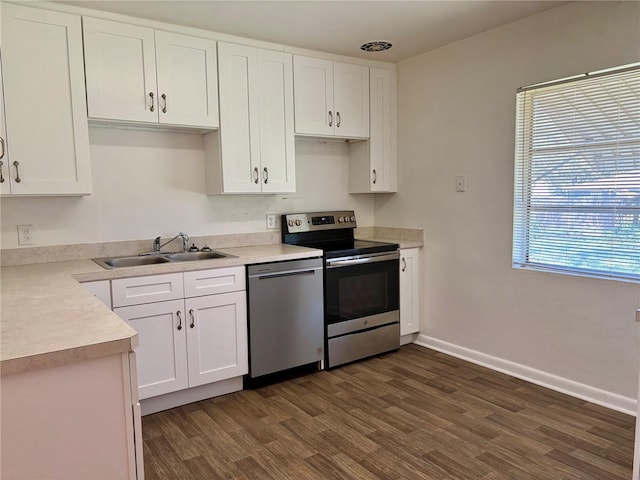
[273, 221]
[461, 183]
[25, 236]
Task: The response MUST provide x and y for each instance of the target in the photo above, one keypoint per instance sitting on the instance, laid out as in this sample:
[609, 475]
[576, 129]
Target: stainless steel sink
[117, 262]
[142, 260]
[190, 256]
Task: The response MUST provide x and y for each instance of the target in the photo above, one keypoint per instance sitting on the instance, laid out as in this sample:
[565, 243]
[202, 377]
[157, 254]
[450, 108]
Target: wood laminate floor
[411, 414]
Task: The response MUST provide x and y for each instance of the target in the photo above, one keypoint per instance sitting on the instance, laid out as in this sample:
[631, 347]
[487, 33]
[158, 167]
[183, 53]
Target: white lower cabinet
[193, 341]
[409, 291]
[216, 337]
[162, 353]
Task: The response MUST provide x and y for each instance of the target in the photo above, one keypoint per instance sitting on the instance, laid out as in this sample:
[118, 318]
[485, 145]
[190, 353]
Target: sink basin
[142, 260]
[138, 261]
[189, 256]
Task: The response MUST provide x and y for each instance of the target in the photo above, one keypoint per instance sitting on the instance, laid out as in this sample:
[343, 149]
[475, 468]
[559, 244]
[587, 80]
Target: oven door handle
[361, 260]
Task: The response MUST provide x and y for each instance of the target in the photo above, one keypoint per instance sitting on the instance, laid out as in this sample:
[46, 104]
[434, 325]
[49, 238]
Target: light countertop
[50, 319]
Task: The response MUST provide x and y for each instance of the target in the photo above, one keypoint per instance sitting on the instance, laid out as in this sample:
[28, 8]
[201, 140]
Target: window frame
[523, 205]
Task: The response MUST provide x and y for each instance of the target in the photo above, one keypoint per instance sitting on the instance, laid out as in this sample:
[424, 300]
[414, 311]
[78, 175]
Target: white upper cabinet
[373, 164]
[46, 129]
[256, 144]
[331, 98]
[351, 100]
[277, 139]
[137, 74]
[313, 96]
[187, 80]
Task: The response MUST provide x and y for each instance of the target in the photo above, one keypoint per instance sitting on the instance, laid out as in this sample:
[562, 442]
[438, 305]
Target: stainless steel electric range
[361, 285]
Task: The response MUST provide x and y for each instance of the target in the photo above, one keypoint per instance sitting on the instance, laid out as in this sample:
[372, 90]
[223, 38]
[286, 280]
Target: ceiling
[340, 27]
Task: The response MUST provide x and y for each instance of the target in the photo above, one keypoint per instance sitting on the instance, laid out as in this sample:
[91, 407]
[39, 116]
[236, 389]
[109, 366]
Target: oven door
[361, 286]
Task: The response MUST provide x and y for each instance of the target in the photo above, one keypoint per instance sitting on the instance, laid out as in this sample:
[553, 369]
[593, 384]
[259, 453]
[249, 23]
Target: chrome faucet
[157, 246]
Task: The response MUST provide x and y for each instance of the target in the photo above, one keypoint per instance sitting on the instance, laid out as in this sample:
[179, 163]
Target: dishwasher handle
[289, 273]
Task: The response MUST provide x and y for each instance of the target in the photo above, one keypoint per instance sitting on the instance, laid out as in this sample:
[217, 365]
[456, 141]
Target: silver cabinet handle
[330, 118]
[337, 119]
[1, 176]
[375, 176]
[2, 143]
[17, 164]
[256, 175]
[164, 98]
[404, 264]
[193, 319]
[638, 315]
[152, 102]
[179, 314]
[266, 175]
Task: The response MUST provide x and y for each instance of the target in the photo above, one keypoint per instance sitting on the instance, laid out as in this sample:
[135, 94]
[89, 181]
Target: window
[577, 176]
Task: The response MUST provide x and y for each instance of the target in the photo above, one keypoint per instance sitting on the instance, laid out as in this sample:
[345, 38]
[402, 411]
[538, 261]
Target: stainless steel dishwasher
[286, 315]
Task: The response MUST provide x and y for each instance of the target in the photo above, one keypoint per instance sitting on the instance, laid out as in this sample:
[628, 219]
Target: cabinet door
[121, 71]
[187, 70]
[239, 134]
[409, 290]
[275, 94]
[351, 100]
[217, 337]
[382, 141]
[5, 178]
[313, 85]
[162, 353]
[44, 100]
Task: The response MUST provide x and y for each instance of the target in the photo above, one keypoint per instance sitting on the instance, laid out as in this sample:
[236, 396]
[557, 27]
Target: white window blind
[577, 176]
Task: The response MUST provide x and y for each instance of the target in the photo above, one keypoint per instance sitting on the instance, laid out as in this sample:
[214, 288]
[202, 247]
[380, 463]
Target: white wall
[148, 183]
[456, 108]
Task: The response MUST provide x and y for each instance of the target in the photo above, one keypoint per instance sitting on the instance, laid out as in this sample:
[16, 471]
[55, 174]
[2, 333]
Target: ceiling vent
[377, 46]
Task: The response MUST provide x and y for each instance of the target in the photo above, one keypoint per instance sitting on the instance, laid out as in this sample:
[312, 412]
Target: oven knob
[291, 223]
[340, 219]
[298, 223]
[353, 218]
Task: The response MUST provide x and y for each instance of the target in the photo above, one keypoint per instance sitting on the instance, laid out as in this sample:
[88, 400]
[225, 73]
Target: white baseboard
[190, 395]
[591, 394]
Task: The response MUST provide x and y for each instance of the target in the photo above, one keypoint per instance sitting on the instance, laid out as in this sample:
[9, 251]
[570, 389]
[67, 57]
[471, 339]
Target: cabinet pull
[179, 314]
[193, 319]
[2, 143]
[404, 264]
[164, 98]
[375, 176]
[17, 164]
[256, 175]
[152, 102]
[337, 119]
[266, 175]
[330, 118]
[1, 176]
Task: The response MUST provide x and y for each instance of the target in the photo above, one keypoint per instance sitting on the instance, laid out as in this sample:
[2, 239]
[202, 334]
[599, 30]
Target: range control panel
[308, 222]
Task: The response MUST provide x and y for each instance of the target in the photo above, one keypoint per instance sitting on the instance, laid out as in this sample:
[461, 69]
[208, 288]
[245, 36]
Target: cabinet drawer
[139, 290]
[209, 282]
